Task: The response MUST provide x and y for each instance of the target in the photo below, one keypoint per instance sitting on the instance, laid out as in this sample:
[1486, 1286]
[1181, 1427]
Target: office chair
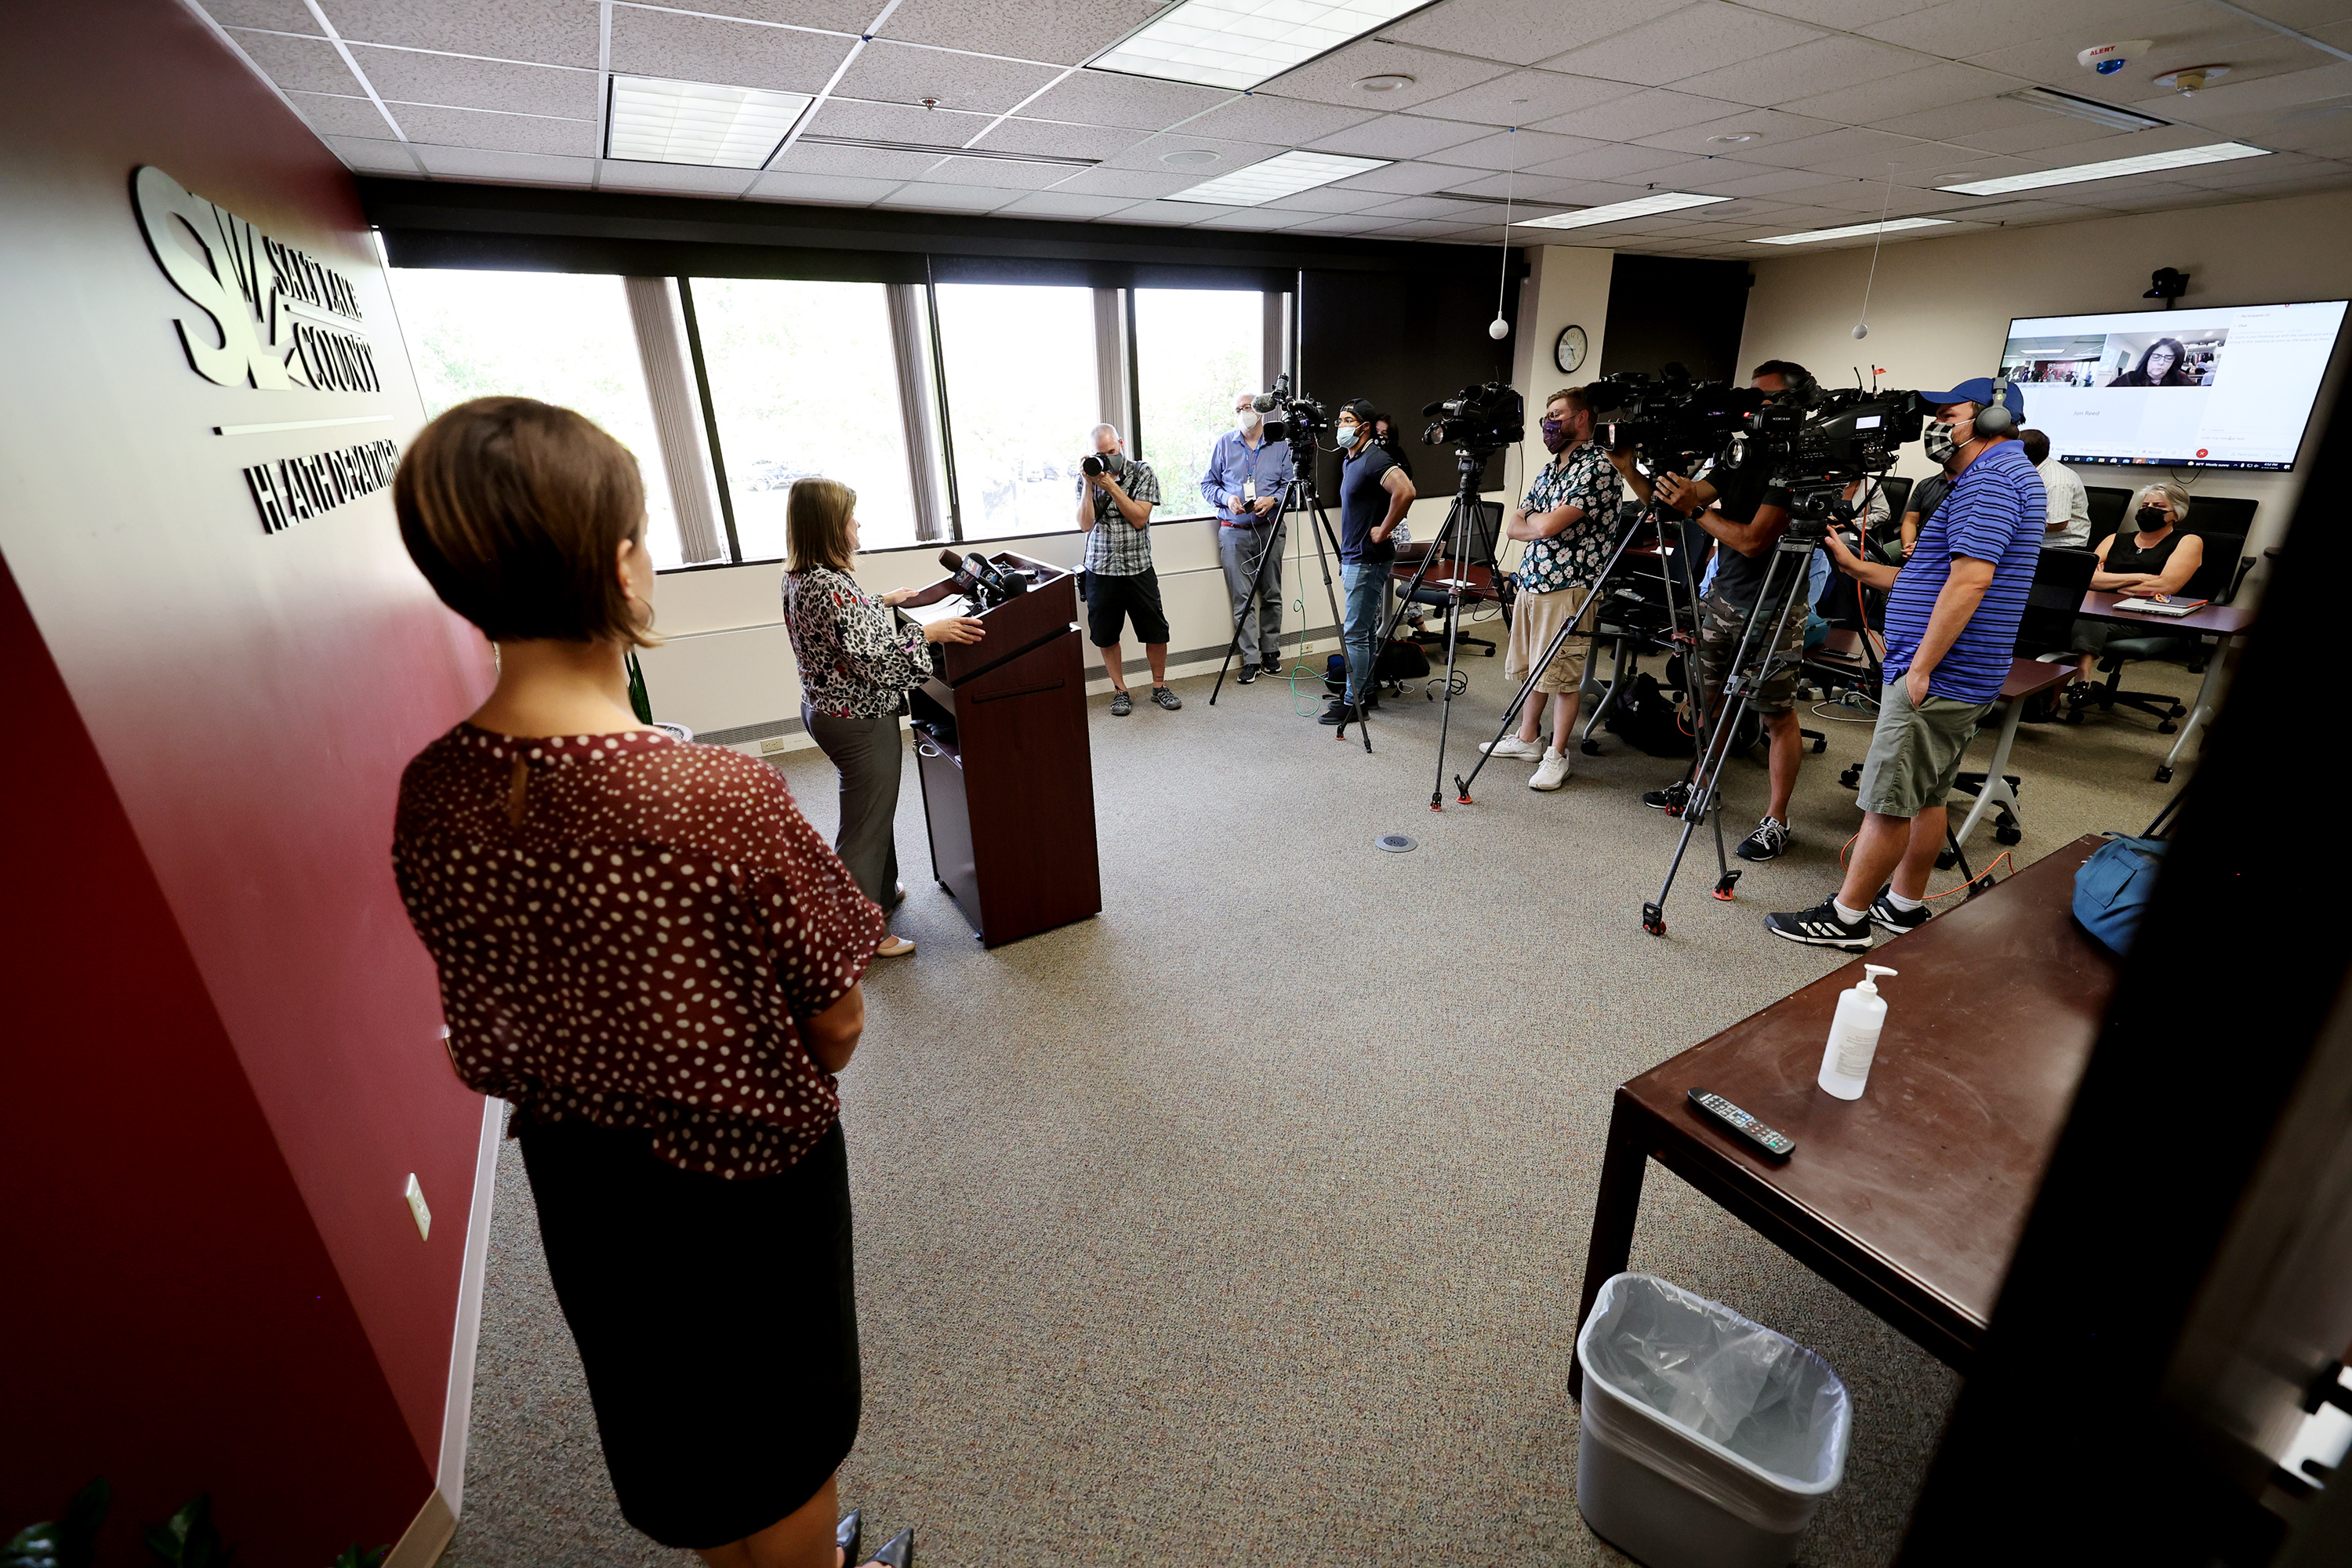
[2223, 523]
[1899, 493]
[2106, 503]
[2061, 577]
[1474, 546]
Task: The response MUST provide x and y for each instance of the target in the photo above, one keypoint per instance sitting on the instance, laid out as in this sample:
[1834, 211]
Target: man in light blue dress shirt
[1244, 482]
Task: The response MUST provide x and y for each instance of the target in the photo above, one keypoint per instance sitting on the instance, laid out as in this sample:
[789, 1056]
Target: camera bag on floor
[1400, 661]
[1647, 720]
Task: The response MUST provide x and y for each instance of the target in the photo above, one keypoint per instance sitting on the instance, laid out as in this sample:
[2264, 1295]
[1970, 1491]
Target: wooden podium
[1001, 748]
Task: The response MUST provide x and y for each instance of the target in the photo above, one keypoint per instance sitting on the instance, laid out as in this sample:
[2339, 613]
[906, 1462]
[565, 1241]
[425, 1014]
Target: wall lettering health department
[284, 321]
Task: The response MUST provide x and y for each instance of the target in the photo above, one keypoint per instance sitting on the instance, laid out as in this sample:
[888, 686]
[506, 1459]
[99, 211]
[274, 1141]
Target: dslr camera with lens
[1111, 463]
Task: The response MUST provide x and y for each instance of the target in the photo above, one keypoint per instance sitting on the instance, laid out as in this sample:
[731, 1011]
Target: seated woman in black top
[2148, 555]
[2160, 366]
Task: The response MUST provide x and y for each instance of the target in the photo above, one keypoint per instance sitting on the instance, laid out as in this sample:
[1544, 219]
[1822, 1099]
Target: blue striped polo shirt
[1996, 511]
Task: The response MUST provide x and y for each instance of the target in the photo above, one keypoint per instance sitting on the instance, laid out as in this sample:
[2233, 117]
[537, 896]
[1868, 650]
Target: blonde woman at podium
[858, 660]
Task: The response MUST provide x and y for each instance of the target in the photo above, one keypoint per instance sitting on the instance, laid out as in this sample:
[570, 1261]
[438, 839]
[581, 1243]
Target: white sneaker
[1512, 746]
[1551, 773]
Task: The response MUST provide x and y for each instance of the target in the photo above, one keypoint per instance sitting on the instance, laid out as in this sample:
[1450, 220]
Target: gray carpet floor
[1246, 1220]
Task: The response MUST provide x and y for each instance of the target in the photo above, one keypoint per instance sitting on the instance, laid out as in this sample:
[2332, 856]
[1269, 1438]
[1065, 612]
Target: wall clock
[1568, 352]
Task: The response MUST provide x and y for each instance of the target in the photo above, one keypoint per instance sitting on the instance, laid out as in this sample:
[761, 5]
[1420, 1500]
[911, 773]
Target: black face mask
[2150, 519]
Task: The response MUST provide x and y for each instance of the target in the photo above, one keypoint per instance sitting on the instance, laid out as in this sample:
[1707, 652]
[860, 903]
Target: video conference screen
[2224, 388]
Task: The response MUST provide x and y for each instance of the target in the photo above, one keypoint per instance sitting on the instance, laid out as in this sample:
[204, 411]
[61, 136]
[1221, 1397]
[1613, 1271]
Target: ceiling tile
[1404, 179]
[1942, 27]
[1400, 136]
[1173, 214]
[1150, 153]
[1525, 98]
[729, 54]
[946, 198]
[1133, 183]
[506, 168]
[832, 15]
[1002, 173]
[1434, 207]
[1337, 222]
[413, 77]
[1514, 149]
[2043, 135]
[1249, 218]
[1104, 98]
[673, 179]
[1332, 78]
[1695, 39]
[271, 15]
[1613, 162]
[1770, 182]
[1767, 126]
[1334, 199]
[1065, 203]
[1290, 122]
[827, 190]
[1975, 116]
[1063, 31]
[1929, 88]
[1814, 150]
[1522, 32]
[1847, 15]
[896, 123]
[855, 163]
[496, 133]
[331, 115]
[299, 65]
[1070, 141]
[1434, 229]
[900, 73]
[369, 156]
[549, 32]
[1537, 191]
[1637, 115]
[1822, 66]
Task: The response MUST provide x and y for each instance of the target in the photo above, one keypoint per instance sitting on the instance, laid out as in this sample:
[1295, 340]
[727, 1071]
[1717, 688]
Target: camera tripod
[1671, 564]
[1299, 496]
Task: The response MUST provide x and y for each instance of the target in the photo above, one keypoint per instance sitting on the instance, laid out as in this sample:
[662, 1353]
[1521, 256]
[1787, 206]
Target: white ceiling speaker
[1387, 82]
[1189, 157]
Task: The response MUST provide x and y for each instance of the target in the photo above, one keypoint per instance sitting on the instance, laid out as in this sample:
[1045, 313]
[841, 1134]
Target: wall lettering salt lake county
[293, 490]
[285, 321]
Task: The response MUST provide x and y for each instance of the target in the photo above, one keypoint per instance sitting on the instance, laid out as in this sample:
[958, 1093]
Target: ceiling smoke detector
[1388, 82]
[2190, 80]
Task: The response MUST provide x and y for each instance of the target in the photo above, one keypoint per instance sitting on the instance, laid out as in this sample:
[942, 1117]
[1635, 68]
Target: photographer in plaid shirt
[1115, 513]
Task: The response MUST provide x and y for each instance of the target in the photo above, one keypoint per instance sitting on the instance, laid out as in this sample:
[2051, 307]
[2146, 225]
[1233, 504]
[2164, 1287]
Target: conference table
[1910, 1199]
[2225, 623]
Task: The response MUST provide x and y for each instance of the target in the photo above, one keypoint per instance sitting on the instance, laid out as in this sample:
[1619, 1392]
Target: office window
[564, 338]
[1022, 393]
[803, 381]
[1194, 350]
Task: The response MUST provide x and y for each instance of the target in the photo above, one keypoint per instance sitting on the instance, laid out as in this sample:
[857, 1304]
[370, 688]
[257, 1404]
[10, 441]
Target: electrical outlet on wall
[417, 1209]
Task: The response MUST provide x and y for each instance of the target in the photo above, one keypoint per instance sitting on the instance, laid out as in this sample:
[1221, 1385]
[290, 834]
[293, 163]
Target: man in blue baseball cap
[1952, 610]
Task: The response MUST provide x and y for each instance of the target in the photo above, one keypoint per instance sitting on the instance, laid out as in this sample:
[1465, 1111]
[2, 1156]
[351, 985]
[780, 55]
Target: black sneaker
[1820, 926]
[1887, 918]
[1274, 666]
[1250, 672]
[1341, 713]
[1166, 699]
[1769, 842]
[1671, 799]
[1121, 704]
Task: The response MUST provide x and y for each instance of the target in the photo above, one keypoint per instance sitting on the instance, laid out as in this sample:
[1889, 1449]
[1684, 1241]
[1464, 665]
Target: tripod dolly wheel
[2164, 773]
[1654, 920]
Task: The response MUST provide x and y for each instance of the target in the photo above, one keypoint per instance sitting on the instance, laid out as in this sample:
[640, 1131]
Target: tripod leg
[1249, 602]
[1445, 718]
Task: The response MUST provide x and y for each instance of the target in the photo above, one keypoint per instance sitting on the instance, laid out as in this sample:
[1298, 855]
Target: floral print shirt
[858, 659]
[1574, 556]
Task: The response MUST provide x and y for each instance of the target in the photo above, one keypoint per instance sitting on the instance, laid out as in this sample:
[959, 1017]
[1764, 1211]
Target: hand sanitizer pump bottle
[1853, 1037]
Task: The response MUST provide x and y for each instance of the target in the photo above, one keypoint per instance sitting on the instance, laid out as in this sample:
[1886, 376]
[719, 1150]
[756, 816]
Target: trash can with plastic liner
[1707, 1441]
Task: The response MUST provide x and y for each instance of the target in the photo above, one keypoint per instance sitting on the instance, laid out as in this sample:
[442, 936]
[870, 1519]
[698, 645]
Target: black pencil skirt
[716, 1322]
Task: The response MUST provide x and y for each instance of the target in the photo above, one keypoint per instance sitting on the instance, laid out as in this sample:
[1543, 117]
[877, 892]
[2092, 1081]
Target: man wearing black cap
[1952, 612]
[1373, 496]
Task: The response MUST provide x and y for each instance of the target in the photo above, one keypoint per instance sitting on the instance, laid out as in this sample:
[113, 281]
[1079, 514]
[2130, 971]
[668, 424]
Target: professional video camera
[1483, 418]
[1813, 438]
[1670, 415]
[1302, 418]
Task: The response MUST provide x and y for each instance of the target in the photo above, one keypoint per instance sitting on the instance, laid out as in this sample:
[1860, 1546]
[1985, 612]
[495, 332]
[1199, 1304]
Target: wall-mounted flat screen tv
[2228, 387]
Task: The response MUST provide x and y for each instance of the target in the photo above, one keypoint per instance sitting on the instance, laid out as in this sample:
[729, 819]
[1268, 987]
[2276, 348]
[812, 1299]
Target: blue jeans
[1364, 587]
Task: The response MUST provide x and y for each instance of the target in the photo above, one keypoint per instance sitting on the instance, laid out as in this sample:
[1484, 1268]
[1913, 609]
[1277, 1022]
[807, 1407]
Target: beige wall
[1939, 309]
[1565, 285]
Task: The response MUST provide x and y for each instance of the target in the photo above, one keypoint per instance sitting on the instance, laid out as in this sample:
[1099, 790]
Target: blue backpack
[2114, 886]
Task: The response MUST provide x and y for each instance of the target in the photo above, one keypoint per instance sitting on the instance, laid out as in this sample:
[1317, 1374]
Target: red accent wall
[223, 1037]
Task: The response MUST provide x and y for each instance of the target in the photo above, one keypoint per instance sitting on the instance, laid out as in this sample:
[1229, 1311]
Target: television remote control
[1770, 1144]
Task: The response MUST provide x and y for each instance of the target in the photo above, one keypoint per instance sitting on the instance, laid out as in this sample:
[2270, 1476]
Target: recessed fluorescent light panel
[1238, 44]
[1854, 230]
[658, 122]
[1646, 207]
[2089, 109]
[2114, 168]
[1284, 174]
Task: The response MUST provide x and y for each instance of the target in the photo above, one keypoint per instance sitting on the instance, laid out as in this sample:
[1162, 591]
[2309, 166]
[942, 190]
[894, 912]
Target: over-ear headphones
[1995, 421]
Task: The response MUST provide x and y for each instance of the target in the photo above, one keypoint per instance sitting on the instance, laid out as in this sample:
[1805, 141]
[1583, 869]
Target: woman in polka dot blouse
[647, 950]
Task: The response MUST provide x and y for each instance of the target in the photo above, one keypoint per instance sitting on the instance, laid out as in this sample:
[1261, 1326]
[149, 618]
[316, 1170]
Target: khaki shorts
[1915, 753]
[1536, 620]
[1720, 629]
